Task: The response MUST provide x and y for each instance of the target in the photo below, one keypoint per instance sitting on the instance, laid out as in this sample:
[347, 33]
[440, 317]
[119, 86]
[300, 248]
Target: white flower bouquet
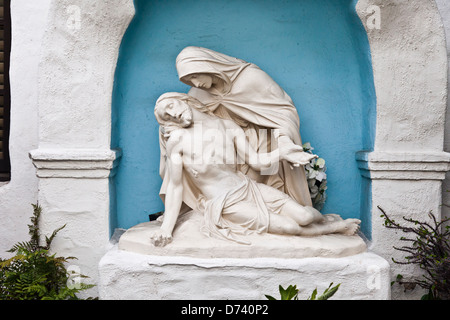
[317, 178]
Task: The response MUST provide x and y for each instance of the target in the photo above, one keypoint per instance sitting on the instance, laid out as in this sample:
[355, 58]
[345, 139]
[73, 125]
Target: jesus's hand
[160, 238]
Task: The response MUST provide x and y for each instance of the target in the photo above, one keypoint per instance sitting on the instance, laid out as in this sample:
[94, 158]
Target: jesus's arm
[174, 198]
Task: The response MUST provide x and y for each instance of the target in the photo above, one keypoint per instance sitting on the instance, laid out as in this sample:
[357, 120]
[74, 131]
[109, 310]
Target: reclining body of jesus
[207, 149]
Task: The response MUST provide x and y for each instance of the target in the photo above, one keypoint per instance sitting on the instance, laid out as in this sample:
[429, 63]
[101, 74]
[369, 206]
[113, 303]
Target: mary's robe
[252, 99]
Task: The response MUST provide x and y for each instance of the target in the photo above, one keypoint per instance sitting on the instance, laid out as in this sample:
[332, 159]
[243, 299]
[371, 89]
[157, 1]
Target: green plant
[291, 293]
[430, 250]
[34, 274]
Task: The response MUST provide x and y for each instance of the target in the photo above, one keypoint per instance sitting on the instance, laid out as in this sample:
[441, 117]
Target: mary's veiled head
[193, 61]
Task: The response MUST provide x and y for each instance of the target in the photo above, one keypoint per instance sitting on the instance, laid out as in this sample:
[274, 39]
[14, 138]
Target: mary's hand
[294, 154]
[297, 157]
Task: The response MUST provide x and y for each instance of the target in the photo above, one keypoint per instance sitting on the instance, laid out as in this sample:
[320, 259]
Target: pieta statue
[231, 150]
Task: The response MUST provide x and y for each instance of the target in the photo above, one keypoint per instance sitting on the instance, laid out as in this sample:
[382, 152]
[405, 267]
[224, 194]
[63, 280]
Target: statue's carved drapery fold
[254, 101]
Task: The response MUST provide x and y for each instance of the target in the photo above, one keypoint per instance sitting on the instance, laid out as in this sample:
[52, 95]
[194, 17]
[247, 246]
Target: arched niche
[317, 51]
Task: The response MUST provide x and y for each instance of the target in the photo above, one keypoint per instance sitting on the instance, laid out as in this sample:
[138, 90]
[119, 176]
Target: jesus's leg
[280, 224]
[313, 223]
[281, 203]
[303, 215]
[347, 227]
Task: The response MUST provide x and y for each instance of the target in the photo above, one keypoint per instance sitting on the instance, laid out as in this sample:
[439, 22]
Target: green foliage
[429, 248]
[328, 293]
[34, 274]
[291, 293]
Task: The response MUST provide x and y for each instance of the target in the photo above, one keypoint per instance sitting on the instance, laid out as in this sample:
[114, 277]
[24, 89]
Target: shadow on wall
[316, 50]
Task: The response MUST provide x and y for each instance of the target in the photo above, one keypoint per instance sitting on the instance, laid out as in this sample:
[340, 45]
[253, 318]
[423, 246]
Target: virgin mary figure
[234, 89]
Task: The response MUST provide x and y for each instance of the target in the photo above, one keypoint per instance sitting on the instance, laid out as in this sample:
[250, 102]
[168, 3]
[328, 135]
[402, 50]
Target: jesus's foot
[349, 227]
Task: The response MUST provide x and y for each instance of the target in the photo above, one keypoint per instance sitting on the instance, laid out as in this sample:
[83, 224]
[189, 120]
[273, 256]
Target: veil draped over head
[254, 101]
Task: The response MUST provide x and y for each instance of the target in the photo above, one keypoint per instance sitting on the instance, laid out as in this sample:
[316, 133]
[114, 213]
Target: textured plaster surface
[410, 199]
[83, 206]
[444, 9]
[80, 51]
[409, 60]
[16, 196]
[141, 277]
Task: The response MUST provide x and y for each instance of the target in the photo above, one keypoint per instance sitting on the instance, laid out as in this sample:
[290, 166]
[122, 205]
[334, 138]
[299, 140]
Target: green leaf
[328, 293]
[48, 240]
[291, 293]
[314, 294]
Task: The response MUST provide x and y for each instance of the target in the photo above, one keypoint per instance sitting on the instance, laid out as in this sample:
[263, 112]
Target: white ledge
[132, 276]
[403, 165]
[75, 163]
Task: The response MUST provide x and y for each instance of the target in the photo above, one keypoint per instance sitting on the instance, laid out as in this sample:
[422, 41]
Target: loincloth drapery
[256, 199]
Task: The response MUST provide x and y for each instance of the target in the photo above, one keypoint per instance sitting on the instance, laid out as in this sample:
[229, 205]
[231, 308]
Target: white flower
[321, 176]
[316, 169]
[317, 178]
[320, 163]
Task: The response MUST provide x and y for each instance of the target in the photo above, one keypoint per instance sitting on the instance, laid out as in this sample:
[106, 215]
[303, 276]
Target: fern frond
[8, 262]
[22, 246]
[33, 228]
[48, 241]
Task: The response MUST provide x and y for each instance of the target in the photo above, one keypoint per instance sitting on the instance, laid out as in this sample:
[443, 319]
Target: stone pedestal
[194, 266]
[132, 276]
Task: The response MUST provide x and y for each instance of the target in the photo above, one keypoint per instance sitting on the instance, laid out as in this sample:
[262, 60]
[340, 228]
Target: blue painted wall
[317, 50]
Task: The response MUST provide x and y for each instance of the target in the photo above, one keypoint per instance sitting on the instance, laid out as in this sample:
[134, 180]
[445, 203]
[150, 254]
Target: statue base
[189, 241]
[195, 267]
[131, 276]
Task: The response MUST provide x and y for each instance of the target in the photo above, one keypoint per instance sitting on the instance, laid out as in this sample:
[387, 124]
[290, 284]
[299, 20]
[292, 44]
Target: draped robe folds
[253, 100]
[246, 196]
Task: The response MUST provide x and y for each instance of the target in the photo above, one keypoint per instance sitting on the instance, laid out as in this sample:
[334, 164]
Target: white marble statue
[203, 154]
[233, 89]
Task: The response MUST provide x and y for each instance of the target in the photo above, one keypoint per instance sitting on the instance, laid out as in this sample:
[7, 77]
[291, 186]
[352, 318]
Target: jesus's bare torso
[209, 155]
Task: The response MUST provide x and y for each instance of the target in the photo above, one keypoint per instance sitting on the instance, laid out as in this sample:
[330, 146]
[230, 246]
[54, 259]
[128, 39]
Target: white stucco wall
[28, 24]
[444, 9]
